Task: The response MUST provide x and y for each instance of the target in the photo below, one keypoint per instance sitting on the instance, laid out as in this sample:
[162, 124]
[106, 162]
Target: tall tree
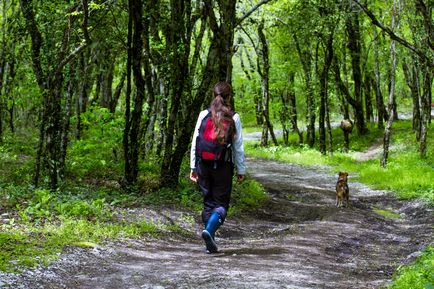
[381, 110]
[133, 121]
[326, 35]
[49, 77]
[354, 45]
[263, 57]
[391, 99]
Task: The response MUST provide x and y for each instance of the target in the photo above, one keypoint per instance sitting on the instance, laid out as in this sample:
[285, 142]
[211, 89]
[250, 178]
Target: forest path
[299, 239]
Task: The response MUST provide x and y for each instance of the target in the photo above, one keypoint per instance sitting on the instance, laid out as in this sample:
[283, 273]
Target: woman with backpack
[216, 146]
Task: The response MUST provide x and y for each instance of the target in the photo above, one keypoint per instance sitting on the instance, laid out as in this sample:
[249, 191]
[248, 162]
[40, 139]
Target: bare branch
[253, 9]
[70, 57]
[85, 21]
[392, 35]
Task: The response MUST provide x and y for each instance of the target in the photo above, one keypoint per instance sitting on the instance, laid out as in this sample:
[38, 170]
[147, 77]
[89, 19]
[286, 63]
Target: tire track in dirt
[299, 239]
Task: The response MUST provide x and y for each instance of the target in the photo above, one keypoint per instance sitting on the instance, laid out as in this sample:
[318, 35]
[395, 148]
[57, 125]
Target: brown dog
[342, 190]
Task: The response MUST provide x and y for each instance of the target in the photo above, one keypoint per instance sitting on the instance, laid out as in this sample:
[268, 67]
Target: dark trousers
[215, 181]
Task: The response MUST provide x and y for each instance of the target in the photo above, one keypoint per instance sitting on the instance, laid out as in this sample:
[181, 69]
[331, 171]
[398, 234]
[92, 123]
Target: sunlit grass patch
[386, 213]
[299, 155]
[39, 244]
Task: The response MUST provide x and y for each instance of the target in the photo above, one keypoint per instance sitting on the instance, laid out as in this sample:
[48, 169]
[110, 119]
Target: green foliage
[99, 152]
[43, 204]
[247, 197]
[418, 275]
[16, 158]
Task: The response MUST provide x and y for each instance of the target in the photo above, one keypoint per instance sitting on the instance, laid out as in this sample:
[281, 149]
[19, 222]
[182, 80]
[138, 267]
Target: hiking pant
[215, 181]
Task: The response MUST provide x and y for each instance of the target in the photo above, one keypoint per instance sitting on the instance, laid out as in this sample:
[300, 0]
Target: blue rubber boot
[208, 234]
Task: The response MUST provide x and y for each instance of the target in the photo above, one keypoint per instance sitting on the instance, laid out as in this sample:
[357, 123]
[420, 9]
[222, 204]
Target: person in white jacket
[216, 146]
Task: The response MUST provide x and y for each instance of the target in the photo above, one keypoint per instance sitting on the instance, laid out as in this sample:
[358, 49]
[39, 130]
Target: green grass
[417, 275]
[406, 174]
[387, 213]
[32, 245]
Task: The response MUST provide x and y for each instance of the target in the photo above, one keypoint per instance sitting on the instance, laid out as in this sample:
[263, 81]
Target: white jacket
[237, 143]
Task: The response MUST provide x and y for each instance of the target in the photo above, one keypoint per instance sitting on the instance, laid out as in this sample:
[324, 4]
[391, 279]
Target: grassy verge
[406, 175]
[418, 275]
[41, 223]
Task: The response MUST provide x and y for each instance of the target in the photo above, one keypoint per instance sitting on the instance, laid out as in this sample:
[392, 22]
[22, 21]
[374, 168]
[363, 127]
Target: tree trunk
[178, 78]
[133, 124]
[2, 65]
[329, 129]
[9, 87]
[387, 130]
[66, 120]
[284, 114]
[258, 110]
[305, 59]
[412, 80]
[125, 139]
[323, 76]
[2, 68]
[368, 99]
[162, 118]
[289, 111]
[357, 106]
[344, 102]
[265, 92]
[381, 110]
[427, 75]
[117, 94]
[106, 96]
[354, 39]
[29, 15]
[82, 98]
[293, 108]
[53, 130]
[150, 109]
[426, 99]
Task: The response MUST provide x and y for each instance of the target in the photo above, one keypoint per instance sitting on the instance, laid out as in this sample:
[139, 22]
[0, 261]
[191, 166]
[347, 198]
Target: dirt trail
[298, 240]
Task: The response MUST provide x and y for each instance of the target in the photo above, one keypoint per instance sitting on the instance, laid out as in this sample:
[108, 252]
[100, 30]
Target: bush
[247, 197]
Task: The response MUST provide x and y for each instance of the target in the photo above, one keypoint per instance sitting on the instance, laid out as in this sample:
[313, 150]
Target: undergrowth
[90, 207]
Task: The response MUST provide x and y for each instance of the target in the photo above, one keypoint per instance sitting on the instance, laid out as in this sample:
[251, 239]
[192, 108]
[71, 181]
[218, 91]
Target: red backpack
[208, 147]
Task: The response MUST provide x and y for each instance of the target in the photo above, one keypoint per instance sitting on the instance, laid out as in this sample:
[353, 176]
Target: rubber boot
[208, 234]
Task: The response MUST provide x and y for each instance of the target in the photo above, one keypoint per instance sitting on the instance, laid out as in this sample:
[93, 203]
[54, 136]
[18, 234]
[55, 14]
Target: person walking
[217, 145]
